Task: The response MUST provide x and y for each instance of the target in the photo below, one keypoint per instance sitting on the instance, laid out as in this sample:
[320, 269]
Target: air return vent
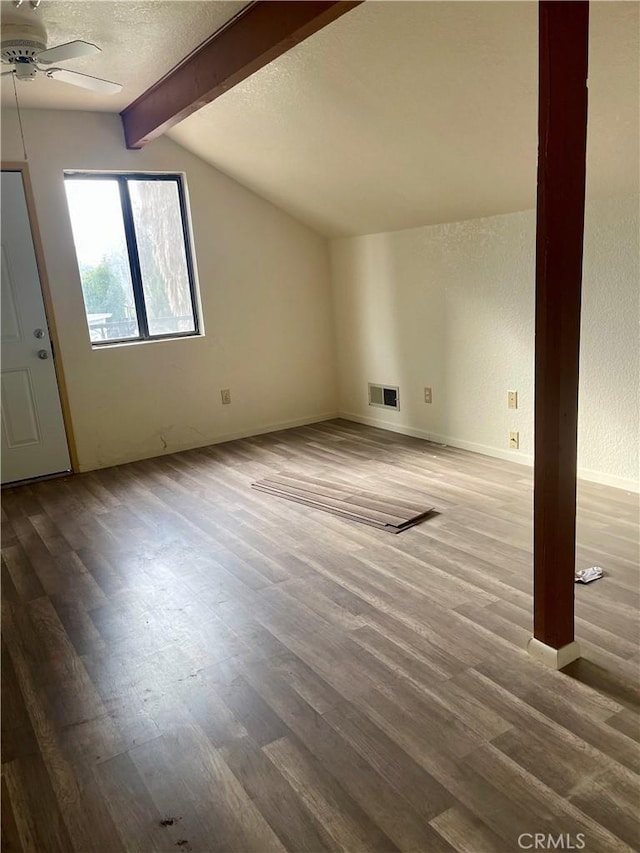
[385, 396]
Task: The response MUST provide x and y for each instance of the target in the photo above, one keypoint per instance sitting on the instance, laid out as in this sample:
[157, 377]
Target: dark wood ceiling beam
[562, 139]
[259, 34]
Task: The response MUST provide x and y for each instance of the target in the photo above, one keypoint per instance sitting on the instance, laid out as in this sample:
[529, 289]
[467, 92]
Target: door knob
[38, 333]
[43, 354]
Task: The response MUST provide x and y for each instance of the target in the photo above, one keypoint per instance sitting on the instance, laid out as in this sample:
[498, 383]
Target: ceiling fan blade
[69, 50]
[96, 84]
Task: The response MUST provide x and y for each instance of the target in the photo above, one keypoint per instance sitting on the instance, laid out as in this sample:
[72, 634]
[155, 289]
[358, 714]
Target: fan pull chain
[15, 92]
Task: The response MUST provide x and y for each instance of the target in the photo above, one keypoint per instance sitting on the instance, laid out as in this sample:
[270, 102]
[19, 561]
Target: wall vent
[385, 396]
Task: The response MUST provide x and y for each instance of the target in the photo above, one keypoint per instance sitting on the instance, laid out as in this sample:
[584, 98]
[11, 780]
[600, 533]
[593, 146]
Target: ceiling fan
[24, 47]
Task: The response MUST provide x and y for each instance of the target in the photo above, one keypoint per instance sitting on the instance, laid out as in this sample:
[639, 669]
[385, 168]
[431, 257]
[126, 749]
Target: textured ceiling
[398, 114]
[140, 42]
[402, 114]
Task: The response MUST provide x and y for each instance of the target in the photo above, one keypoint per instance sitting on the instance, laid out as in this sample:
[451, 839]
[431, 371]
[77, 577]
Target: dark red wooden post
[562, 137]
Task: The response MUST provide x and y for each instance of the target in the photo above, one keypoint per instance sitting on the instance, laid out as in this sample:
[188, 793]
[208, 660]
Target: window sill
[109, 345]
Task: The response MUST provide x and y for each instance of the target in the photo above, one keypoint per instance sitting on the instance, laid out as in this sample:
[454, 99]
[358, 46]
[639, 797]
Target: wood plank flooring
[189, 664]
[341, 499]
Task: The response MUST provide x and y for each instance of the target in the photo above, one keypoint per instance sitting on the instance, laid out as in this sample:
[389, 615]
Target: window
[132, 243]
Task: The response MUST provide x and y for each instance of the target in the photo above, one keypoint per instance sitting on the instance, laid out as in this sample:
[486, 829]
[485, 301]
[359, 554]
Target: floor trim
[587, 474]
[553, 658]
[209, 441]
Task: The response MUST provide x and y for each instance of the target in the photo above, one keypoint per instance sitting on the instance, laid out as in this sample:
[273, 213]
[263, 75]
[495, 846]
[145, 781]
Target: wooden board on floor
[342, 500]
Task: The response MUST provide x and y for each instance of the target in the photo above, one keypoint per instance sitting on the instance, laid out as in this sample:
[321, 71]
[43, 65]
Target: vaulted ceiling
[141, 40]
[398, 114]
[402, 114]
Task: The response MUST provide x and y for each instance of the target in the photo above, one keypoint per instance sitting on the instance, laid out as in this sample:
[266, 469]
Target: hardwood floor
[190, 664]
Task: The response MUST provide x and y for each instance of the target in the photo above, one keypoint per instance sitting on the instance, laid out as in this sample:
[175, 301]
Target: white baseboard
[206, 441]
[609, 480]
[474, 447]
[553, 658]
[379, 423]
[497, 452]
[276, 427]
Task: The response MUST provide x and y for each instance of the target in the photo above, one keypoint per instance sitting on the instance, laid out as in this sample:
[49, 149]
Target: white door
[34, 442]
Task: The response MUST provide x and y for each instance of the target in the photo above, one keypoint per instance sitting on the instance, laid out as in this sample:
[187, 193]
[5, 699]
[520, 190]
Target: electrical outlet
[514, 440]
[512, 398]
[428, 397]
[225, 394]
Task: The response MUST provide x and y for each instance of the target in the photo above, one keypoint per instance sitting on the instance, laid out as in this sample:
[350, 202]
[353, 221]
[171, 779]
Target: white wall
[452, 307]
[265, 289]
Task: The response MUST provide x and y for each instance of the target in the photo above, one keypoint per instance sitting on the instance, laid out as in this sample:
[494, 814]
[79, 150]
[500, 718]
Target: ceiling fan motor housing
[21, 44]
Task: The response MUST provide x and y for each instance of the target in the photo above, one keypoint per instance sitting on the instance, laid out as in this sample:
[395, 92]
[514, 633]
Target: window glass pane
[101, 247]
[161, 250]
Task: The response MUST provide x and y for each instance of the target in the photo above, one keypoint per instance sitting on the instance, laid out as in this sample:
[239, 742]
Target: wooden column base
[553, 658]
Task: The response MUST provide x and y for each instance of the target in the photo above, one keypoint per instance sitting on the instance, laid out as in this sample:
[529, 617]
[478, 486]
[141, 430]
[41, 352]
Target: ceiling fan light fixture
[25, 70]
